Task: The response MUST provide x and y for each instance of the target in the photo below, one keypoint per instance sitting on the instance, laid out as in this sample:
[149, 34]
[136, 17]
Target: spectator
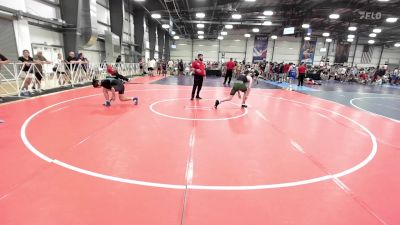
[39, 61]
[180, 67]
[3, 61]
[171, 67]
[60, 70]
[27, 71]
[152, 66]
[119, 59]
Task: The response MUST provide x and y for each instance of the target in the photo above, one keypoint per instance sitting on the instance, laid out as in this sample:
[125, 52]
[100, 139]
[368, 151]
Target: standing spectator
[119, 59]
[26, 74]
[199, 72]
[159, 67]
[3, 61]
[180, 67]
[72, 65]
[171, 67]
[152, 66]
[60, 70]
[230, 66]
[302, 73]
[238, 68]
[164, 68]
[141, 66]
[39, 60]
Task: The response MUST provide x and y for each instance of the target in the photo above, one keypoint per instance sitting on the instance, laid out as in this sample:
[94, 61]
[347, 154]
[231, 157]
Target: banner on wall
[307, 52]
[342, 52]
[260, 48]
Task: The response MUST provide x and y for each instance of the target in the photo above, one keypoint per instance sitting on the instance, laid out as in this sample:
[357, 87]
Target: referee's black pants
[198, 83]
[228, 75]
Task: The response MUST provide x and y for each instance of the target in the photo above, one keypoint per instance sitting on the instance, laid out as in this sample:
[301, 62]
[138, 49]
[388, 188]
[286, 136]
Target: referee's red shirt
[199, 65]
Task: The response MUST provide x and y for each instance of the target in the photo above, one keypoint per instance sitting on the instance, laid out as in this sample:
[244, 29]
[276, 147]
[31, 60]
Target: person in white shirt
[152, 66]
[171, 67]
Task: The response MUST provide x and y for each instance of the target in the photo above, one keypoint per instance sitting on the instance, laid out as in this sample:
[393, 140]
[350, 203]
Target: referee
[199, 71]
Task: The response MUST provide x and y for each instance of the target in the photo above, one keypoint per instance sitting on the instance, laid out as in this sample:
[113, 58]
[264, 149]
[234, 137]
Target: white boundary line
[202, 187]
[376, 114]
[191, 119]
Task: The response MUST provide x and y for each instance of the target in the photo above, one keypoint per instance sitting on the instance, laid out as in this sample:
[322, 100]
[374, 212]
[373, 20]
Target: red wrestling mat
[288, 159]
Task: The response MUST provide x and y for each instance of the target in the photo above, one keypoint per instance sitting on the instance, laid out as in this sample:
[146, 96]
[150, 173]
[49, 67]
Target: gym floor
[321, 155]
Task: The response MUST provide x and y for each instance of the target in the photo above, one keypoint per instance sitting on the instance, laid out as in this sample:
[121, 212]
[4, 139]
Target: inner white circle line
[192, 119]
[201, 187]
[362, 109]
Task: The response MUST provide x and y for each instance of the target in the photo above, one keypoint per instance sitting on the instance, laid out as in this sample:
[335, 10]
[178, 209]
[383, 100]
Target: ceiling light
[308, 34]
[352, 28]
[200, 32]
[165, 26]
[236, 16]
[176, 37]
[228, 26]
[250, 0]
[237, 40]
[383, 0]
[397, 45]
[201, 37]
[268, 13]
[350, 39]
[372, 35]
[326, 34]
[334, 16]
[173, 32]
[261, 17]
[200, 15]
[351, 36]
[139, 0]
[371, 42]
[274, 37]
[377, 30]
[220, 38]
[329, 40]
[305, 26]
[256, 30]
[392, 20]
[267, 23]
[155, 16]
[247, 35]
[200, 25]
[224, 33]
[307, 38]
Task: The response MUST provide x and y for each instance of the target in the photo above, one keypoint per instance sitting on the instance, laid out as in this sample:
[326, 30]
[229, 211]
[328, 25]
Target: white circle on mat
[360, 165]
[360, 108]
[245, 111]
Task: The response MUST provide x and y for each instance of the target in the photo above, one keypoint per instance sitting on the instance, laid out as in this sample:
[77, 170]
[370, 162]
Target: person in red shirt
[114, 72]
[229, 71]
[199, 72]
[302, 73]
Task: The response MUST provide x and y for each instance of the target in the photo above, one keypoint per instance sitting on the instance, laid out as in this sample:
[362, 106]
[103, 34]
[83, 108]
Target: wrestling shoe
[216, 104]
[107, 103]
[135, 100]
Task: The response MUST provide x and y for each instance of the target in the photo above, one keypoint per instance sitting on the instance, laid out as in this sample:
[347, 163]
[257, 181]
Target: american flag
[367, 53]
